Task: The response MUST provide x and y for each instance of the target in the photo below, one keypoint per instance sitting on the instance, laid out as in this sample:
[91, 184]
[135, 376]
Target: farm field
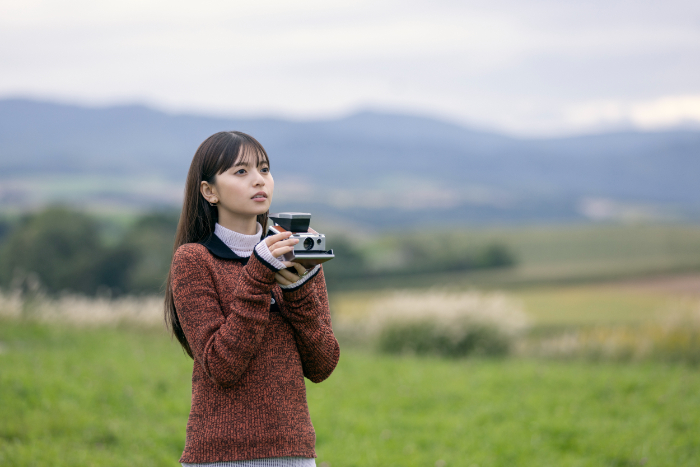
[545, 255]
[629, 301]
[120, 396]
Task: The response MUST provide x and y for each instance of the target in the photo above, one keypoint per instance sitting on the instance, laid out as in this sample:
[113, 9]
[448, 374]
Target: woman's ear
[209, 193]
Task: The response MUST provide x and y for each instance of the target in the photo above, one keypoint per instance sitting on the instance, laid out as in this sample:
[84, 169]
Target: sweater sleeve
[306, 308]
[223, 345]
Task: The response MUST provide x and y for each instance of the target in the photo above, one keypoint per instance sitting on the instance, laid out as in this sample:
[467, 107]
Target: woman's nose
[259, 179]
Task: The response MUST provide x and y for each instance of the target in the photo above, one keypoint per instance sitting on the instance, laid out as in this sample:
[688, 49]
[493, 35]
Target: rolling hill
[368, 168]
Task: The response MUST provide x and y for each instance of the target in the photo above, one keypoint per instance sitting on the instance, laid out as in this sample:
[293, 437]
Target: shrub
[445, 323]
[429, 337]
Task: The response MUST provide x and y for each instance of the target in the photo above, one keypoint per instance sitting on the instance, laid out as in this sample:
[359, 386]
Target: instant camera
[311, 249]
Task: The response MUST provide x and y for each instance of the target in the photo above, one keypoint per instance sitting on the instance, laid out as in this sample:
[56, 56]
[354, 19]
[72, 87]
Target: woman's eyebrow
[246, 163]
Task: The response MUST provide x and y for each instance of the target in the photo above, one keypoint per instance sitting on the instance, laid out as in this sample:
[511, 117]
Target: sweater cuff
[262, 251]
[306, 277]
[258, 269]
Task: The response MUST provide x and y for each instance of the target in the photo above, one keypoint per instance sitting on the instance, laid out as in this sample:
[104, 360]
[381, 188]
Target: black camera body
[311, 249]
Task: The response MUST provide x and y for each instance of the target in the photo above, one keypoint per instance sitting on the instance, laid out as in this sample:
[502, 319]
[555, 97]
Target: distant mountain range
[368, 168]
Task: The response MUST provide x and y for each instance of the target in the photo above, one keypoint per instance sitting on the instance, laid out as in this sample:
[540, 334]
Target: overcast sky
[534, 67]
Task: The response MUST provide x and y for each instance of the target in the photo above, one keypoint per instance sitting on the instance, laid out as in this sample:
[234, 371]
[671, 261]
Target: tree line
[61, 249]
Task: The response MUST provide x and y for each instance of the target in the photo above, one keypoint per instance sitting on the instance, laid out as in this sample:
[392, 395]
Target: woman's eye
[240, 172]
[265, 170]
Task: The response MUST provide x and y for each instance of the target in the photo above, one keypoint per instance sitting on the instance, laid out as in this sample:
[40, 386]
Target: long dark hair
[215, 155]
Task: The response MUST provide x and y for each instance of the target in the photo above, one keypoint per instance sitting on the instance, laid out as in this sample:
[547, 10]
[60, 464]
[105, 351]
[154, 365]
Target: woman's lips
[260, 197]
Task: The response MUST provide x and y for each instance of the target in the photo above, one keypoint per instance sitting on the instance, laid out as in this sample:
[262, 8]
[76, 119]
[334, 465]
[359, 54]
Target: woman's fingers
[283, 243]
[281, 280]
[277, 252]
[272, 239]
[280, 244]
[285, 277]
[290, 276]
[301, 270]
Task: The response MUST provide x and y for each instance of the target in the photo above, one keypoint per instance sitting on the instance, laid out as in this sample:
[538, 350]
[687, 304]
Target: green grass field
[120, 396]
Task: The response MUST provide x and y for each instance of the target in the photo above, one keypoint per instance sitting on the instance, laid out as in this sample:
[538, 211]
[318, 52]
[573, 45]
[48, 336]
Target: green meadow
[80, 396]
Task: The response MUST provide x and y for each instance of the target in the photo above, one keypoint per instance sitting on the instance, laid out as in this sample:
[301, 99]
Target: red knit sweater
[250, 357]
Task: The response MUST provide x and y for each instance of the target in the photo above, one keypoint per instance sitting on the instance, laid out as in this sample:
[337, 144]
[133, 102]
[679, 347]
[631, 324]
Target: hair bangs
[242, 149]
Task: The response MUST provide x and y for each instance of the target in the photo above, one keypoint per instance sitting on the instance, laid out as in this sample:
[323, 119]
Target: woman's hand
[285, 277]
[280, 244]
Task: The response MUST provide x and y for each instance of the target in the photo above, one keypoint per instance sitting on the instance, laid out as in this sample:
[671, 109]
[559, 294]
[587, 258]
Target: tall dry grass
[673, 336]
[438, 322]
[435, 322]
[81, 310]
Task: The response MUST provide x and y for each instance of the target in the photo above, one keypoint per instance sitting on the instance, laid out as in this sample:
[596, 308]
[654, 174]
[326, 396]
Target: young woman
[253, 329]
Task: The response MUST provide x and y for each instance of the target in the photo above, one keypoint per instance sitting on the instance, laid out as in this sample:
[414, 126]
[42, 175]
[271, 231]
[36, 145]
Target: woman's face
[242, 191]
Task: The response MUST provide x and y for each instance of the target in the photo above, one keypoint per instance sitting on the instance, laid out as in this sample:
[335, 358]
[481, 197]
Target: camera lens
[308, 243]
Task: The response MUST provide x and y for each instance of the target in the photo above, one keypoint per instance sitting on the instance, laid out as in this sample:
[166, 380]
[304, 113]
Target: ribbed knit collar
[241, 244]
